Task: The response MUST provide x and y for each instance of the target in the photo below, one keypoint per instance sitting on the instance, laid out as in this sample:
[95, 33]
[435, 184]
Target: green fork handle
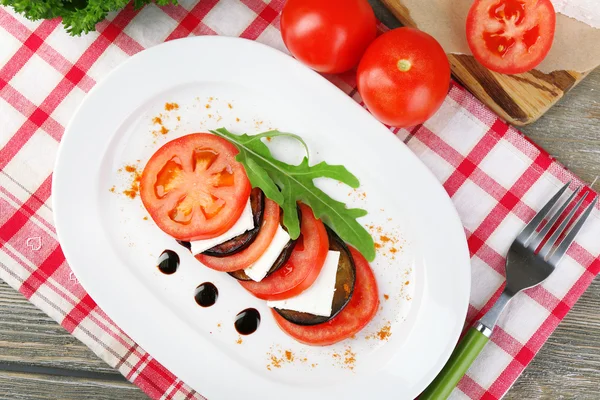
[461, 359]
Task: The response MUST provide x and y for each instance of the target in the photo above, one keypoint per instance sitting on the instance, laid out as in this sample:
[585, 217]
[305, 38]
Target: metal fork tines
[525, 265]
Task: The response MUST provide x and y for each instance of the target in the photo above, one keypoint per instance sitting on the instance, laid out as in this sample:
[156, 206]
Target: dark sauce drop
[168, 262]
[247, 321]
[187, 245]
[206, 294]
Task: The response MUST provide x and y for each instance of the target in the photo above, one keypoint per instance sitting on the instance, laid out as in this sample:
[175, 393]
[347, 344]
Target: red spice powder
[171, 106]
[349, 358]
[383, 334]
[134, 187]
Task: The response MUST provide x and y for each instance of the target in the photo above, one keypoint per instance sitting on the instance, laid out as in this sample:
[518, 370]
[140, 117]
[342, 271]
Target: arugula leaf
[287, 184]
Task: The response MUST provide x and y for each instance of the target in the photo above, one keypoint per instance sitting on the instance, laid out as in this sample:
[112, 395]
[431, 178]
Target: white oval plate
[247, 87]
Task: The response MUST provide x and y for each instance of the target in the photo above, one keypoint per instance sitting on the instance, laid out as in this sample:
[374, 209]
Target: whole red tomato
[404, 77]
[329, 36]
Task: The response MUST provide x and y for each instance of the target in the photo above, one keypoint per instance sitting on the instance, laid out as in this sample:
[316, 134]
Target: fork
[525, 268]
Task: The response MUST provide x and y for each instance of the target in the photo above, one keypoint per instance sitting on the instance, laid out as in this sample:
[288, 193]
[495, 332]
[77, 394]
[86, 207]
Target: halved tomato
[246, 257]
[356, 315]
[511, 36]
[303, 267]
[193, 188]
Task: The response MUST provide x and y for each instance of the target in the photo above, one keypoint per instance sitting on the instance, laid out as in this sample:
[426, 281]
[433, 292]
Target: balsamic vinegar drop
[247, 321]
[168, 262]
[206, 294]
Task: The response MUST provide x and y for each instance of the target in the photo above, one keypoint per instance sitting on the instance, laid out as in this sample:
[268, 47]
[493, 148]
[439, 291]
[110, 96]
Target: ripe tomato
[246, 257]
[356, 315]
[404, 77]
[194, 188]
[329, 36]
[303, 267]
[510, 36]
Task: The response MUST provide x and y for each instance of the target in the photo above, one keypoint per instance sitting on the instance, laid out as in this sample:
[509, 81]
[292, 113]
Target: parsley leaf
[287, 184]
[78, 16]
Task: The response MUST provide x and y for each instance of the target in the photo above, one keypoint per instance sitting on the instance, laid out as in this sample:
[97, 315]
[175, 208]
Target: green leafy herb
[287, 184]
[79, 16]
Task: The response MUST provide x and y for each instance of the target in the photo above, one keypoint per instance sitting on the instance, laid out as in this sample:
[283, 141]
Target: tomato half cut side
[303, 266]
[246, 257]
[511, 36]
[355, 316]
[193, 188]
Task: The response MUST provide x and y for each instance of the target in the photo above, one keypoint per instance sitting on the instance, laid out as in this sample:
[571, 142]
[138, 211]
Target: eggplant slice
[240, 242]
[344, 286]
[185, 244]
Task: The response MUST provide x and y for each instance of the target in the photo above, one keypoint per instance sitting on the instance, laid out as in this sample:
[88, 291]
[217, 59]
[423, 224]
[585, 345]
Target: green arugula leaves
[287, 184]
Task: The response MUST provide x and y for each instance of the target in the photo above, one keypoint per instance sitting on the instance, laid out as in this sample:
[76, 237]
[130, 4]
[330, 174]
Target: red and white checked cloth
[496, 178]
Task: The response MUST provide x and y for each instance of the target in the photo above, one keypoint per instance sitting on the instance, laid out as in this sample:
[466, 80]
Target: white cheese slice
[258, 270]
[318, 298]
[243, 224]
[586, 11]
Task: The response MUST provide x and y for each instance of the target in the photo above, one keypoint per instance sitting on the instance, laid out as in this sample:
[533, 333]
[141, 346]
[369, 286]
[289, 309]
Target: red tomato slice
[303, 267]
[246, 257]
[193, 188]
[356, 315]
[511, 36]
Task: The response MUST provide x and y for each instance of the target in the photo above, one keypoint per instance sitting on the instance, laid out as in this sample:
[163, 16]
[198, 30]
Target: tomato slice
[246, 257]
[356, 315]
[303, 267]
[511, 36]
[193, 188]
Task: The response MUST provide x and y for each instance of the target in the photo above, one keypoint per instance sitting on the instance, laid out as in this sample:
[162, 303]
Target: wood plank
[519, 99]
[19, 386]
[30, 337]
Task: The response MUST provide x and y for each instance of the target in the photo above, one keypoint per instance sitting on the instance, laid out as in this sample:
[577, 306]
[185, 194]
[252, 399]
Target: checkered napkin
[496, 178]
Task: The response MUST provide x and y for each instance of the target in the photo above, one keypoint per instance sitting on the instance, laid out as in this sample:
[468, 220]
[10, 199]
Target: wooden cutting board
[519, 99]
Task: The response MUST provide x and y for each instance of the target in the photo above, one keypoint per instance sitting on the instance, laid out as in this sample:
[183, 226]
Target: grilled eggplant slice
[344, 286]
[240, 242]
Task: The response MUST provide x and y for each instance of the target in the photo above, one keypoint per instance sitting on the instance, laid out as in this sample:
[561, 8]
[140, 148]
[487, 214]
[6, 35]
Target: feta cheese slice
[318, 298]
[258, 270]
[243, 224]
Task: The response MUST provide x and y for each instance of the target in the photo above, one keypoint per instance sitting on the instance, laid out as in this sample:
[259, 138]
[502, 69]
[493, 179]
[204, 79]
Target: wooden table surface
[40, 360]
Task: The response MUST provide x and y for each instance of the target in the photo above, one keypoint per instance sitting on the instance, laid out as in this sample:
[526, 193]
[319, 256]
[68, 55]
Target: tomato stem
[404, 65]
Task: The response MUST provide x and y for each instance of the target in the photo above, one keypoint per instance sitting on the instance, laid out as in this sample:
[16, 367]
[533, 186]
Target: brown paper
[576, 45]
